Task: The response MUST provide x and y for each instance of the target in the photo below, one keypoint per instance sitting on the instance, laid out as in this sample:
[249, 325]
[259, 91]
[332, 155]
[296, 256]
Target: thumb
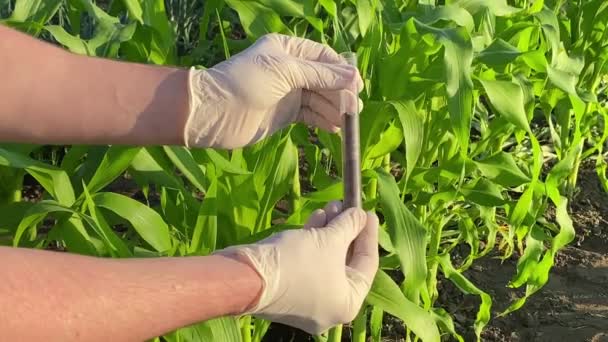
[348, 224]
[318, 76]
[365, 256]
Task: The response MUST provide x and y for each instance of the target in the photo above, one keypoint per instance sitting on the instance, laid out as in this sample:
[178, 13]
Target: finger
[318, 76]
[332, 209]
[332, 105]
[317, 219]
[313, 118]
[345, 100]
[365, 248]
[342, 99]
[348, 224]
[307, 49]
[322, 106]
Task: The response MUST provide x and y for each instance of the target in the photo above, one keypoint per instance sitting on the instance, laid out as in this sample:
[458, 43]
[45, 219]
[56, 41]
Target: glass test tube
[351, 163]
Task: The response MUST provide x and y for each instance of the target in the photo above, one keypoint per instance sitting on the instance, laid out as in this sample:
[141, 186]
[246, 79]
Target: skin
[56, 296]
[65, 297]
[108, 102]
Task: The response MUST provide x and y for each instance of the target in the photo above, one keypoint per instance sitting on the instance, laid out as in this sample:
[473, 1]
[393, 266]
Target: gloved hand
[308, 282]
[277, 81]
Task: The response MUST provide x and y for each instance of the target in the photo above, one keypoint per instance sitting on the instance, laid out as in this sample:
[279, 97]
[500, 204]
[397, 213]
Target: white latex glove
[308, 283]
[277, 81]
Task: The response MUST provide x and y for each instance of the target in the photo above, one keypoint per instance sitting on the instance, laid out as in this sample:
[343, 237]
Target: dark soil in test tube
[350, 151]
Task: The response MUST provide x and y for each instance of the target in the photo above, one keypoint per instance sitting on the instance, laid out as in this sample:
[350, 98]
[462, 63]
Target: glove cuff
[194, 104]
[206, 106]
[264, 259]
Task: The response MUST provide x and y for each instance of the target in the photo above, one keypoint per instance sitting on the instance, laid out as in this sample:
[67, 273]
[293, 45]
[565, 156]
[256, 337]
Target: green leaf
[223, 164]
[11, 215]
[450, 12]
[72, 43]
[183, 160]
[445, 321]
[135, 10]
[508, 99]
[365, 15]
[535, 60]
[389, 141]
[385, 294]
[151, 165]
[277, 183]
[110, 33]
[330, 7]
[550, 26]
[54, 180]
[465, 285]
[408, 236]
[498, 54]
[502, 169]
[412, 124]
[204, 234]
[115, 161]
[81, 241]
[163, 39]
[222, 329]
[458, 58]
[117, 246]
[257, 19]
[218, 329]
[375, 323]
[39, 11]
[564, 72]
[332, 192]
[373, 120]
[498, 8]
[147, 222]
[521, 209]
[483, 192]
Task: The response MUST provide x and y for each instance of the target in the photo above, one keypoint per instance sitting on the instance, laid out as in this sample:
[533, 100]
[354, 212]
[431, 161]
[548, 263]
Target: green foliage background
[477, 117]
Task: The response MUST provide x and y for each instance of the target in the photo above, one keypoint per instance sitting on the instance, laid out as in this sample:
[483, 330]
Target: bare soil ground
[573, 305]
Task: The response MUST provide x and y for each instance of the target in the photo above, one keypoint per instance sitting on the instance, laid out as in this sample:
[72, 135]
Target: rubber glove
[308, 282]
[277, 81]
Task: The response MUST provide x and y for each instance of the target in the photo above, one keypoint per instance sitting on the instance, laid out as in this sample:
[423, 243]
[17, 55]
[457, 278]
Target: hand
[308, 281]
[277, 81]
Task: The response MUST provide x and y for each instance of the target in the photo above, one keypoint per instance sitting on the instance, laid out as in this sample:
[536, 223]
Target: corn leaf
[147, 222]
[465, 285]
[115, 161]
[386, 295]
[54, 180]
[408, 236]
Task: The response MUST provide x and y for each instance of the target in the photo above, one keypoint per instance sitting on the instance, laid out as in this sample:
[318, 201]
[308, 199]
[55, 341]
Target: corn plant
[477, 116]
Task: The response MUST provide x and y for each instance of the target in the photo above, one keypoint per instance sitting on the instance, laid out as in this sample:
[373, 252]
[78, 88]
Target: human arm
[51, 96]
[52, 296]
[301, 277]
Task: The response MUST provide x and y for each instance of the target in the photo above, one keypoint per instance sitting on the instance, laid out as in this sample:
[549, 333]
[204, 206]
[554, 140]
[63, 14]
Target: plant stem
[573, 177]
[260, 327]
[246, 329]
[359, 325]
[434, 264]
[335, 334]
[295, 204]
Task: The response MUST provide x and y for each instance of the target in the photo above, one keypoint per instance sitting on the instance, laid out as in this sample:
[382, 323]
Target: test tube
[351, 163]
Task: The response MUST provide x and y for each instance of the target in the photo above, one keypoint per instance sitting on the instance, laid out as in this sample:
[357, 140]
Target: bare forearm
[63, 297]
[52, 96]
